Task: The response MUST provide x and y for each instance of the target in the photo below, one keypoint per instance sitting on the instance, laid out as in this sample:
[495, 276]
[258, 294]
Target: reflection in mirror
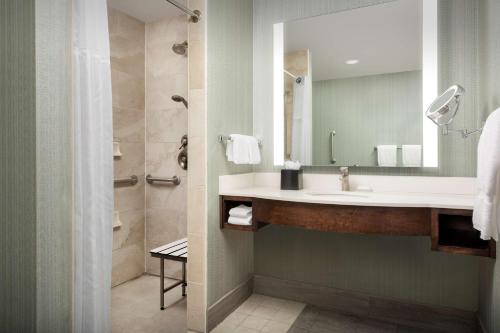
[350, 89]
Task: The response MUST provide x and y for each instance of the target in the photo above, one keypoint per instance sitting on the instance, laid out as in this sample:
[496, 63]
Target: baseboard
[228, 303]
[393, 311]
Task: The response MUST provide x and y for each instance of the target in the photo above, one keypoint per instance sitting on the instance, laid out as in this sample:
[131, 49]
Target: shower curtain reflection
[301, 149]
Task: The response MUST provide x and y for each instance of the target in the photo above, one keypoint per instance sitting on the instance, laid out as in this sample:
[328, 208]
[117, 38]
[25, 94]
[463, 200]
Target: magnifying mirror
[443, 110]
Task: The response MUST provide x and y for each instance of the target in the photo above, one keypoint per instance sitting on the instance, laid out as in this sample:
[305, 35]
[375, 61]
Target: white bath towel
[240, 220]
[486, 216]
[412, 155]
[243, 149]
[240, 211]
[387, 155]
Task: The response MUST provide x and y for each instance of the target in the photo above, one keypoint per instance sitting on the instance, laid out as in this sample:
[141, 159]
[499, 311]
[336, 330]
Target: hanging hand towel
[254, 150]
[240, 211]
[387, 155]
[229, 150]
[486, 216]
[240, 220]
[412, 155]
[243, 149]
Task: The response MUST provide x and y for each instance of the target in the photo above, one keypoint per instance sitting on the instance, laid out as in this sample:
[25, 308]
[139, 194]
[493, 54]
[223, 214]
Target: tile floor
[261, 314]
[315, 320]
[272, 315]
[135, 307]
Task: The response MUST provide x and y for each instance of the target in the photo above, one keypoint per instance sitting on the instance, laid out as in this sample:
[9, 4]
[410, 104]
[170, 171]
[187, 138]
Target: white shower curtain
[302, 122]
[93, 167]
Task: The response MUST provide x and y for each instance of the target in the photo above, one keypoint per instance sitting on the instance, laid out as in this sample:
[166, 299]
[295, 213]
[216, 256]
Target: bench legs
[162, 284]
[183, 282]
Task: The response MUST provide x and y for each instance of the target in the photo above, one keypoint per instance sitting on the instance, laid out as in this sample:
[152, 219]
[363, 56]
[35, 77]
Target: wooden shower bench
[176, 251]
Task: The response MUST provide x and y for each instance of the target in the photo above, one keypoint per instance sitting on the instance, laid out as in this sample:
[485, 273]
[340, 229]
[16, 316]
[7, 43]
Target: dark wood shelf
[228, 202]
[453, 232]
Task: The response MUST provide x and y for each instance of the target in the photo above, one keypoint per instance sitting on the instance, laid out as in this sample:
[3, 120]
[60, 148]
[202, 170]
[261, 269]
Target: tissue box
[291, 179]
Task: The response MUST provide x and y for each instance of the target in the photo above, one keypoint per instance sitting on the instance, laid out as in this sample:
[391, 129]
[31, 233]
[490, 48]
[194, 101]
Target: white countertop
[264, 186]
[426, 200]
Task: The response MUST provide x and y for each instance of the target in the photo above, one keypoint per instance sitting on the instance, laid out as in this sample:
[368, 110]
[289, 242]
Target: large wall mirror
[350, 84]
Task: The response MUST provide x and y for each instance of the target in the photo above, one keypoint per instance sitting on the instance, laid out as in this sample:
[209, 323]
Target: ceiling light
[352, 62]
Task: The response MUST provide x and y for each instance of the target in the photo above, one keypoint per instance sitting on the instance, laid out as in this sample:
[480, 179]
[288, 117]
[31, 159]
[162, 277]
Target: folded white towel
[229, 151]
[412, 155]
[240, 220]
[254, 150]
[243, 149]
[240, 211]
[486, 216]
[387, 155]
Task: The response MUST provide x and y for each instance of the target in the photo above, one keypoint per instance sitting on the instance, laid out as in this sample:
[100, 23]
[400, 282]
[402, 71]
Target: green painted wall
[17, 166]
[384, 102]
[229, 89]
[375, 265]
[54, 166]
[386, 266]
[489, 291]
[35, 166]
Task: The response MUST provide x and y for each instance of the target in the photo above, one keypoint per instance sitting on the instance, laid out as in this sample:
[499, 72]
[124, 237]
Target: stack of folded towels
[241, 215]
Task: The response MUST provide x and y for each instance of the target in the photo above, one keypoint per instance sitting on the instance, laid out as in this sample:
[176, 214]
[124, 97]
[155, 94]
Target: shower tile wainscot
[166, 123]
[127, 76]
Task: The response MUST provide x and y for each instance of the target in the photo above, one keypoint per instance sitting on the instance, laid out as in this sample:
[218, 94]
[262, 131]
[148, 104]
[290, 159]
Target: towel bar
[225, 138]
[398, 147]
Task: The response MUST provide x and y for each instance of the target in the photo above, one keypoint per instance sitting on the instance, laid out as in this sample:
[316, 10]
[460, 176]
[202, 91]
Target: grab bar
[174, 180]
[127, 181]
[332, 150]
[226, 138]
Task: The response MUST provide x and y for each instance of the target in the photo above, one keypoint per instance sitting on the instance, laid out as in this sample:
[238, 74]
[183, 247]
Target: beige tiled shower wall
[197, 173]
[127, 75]
[166, 123]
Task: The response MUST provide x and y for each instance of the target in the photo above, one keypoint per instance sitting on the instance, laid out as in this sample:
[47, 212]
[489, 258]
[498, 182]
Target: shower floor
[136, 307]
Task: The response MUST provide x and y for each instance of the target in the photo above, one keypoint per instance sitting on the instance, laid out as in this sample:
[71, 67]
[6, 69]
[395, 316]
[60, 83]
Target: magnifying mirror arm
[464, 132]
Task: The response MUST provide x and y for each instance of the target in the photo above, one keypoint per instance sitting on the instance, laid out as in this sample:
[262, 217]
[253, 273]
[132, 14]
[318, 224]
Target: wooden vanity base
[450, 229]
[347, 219]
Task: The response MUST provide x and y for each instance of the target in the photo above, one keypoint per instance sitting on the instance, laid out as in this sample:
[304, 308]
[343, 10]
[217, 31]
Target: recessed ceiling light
[352, 62]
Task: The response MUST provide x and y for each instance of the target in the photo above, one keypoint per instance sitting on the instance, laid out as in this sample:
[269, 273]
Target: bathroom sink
[338, 193]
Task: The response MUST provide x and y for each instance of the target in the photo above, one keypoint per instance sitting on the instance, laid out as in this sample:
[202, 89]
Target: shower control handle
[184, 141]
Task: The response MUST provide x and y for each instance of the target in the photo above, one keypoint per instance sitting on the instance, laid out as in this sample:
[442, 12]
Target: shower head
[179, 99]
[180, 48]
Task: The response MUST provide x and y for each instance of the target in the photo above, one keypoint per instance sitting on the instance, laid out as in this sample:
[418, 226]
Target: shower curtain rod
[287, 72]
[195, 14]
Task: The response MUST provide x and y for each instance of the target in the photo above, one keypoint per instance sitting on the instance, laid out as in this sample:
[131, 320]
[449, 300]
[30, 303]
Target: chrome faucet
[344, 178]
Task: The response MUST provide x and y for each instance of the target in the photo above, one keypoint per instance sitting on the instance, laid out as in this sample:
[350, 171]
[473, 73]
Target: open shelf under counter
[453, 232]
[450, 229]
[228, 202]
